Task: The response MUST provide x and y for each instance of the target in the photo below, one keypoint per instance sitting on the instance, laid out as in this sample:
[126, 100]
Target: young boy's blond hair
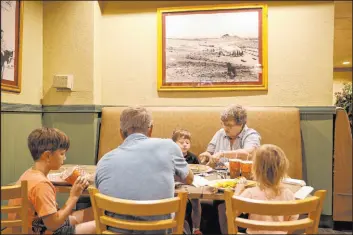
[181, 133]
[270, 166]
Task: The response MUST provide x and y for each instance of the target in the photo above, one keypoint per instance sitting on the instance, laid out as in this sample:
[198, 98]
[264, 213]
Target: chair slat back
[311, 206]
[142, 225]
[281, 226]
[10, 192]
[138, 208]
[102, 203]
[278, 208]
[21, 211]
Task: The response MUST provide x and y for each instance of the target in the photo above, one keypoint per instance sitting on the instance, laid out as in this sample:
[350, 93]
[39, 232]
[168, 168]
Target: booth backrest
[342, 178]
[276, 125]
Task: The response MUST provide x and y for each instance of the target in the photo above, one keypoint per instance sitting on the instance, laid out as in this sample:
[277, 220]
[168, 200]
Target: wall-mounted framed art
[11, 45]
[216, 47]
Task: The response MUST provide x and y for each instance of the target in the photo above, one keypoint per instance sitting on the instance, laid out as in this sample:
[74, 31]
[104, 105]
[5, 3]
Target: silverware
[222, 174]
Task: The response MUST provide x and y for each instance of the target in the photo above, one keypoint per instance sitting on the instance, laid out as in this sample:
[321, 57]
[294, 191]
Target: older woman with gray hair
[234, 140]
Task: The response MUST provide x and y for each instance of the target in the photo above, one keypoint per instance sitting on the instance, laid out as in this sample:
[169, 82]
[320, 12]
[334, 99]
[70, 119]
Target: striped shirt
[141, 168]
[248, 138]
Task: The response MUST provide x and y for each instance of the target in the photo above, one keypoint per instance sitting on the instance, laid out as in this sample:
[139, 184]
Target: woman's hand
[204, 157]
[242, 154]
[213, 160]
[217, 156]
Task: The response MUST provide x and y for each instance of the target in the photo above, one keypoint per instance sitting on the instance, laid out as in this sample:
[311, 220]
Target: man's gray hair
[135, 119]
[234, 113]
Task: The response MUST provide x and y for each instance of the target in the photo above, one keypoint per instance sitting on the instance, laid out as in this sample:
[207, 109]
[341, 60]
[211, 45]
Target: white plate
[56, 179]
[202, 168]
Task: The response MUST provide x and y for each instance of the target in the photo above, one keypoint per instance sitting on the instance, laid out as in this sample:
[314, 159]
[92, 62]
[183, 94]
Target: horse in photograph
[231, 70]
[232, 51]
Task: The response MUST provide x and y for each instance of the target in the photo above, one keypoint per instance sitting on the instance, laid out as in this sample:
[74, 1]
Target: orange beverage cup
[246, 169]
[234, 168]
[72, 175]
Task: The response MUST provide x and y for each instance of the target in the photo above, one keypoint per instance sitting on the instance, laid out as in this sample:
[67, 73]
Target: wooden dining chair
[21, 211]
[102, 203]
[312, 206]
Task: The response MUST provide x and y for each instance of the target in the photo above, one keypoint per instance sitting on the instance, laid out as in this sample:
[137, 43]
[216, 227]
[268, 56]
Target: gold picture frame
[11, 45]
[195, 55]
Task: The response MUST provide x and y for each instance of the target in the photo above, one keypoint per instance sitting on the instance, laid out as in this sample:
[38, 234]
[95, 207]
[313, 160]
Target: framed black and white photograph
[218, 47]
[11, 42]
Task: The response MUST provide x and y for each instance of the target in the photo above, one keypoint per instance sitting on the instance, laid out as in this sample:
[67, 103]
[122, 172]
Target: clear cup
[234, 168]
[71, 175]
[246, 167]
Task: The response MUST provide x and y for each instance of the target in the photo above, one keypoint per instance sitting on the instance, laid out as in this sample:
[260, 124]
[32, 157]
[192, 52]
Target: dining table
[200, 192]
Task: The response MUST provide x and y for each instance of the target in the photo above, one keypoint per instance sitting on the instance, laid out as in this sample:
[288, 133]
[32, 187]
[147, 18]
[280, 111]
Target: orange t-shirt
[41, 195]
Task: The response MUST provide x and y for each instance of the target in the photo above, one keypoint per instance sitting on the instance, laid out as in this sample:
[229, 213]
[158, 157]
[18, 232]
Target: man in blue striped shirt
[141, 168]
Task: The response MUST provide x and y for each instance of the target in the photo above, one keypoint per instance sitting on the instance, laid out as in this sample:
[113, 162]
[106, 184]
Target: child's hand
[240, 187]
[242, 180]
[80, 184]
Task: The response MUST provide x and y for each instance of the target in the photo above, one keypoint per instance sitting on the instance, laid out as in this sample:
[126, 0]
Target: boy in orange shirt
[48, 147]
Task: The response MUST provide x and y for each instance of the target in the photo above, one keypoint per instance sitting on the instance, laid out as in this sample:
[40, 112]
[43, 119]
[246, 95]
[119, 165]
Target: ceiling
[343, 34]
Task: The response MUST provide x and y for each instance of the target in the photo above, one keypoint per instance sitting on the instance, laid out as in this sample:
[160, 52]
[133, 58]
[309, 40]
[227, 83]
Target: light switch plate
[63, 82]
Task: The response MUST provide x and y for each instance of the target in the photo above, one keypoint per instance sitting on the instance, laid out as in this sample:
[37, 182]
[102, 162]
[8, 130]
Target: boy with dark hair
[48, 148]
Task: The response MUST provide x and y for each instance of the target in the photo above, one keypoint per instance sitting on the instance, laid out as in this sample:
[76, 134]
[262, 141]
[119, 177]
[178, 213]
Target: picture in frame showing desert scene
[221, 47]
[11, 35]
